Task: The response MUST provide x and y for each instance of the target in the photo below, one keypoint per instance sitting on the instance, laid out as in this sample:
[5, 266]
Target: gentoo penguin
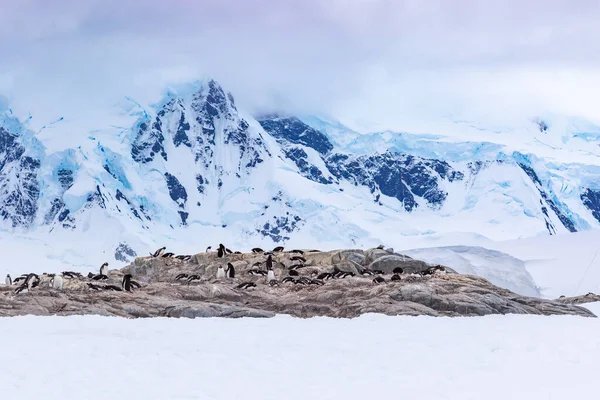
[278, 249]
[298, 258]
[228, 251]
[398, 270]
[220, 272]
[208, 248]
[221, 251]
[297, 251]
[273, 282]
[270, 275]
[56, 282]
[324, 276]
[293, 272]
[288, 279]
[230, 271]
[32, 281]
[380, 247]
[181, 276]
[168, 255]
[257, 250]
[22, 289]
[104, 269]
[378, 280]
[127, 284]
[269, 263]
[246, 285]
[396, 277]
[296, 266]
[8, 280]
[257, 272]
[158, 252]
[317, 282]
[183, 257]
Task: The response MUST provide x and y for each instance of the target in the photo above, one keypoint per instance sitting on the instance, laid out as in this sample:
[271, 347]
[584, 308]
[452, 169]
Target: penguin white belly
[7, 281]
[57, 283]
[270, 275]
[220, 273]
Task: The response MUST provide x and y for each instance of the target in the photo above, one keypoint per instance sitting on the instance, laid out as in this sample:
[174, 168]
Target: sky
[384, 64]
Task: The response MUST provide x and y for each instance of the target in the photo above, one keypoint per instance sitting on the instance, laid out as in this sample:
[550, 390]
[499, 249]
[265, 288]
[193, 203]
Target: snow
[373, 356]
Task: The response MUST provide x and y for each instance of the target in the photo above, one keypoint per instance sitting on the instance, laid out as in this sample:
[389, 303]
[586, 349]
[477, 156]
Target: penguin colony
[292, 274]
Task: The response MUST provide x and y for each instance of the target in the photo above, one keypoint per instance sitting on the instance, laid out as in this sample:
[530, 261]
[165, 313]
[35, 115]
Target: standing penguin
[126, 284]
[230, 271]
[220, 272]
[56, 282]
[8, 280]
[104, 269]
[270, 273]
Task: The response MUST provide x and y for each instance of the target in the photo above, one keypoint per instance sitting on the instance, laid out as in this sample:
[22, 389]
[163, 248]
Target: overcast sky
[378, 62]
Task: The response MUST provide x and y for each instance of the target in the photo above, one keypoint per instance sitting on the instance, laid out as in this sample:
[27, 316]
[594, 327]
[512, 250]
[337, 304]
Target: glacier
[194, 168]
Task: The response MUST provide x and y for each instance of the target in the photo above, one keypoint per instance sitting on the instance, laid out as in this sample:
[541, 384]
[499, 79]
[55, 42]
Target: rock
[389, 262]
[355, 255]
[217, 310]
[588, 298]
[161, 296]
[373, 254]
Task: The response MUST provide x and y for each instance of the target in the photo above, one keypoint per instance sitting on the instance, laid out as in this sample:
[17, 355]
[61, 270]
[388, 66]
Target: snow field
[374, 356]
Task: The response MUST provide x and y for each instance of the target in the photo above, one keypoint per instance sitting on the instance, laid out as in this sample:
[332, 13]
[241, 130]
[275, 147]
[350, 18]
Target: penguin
[8, 280]
[293, 272]
[90, 275]
[398, 270]
[304, 281]
[378, 280]
[278, 249]
[325, 276]
[183, 258]
[104, 269]
[270, 275]
[296, 266]
[246, 285]
[228, 251]
[32, 281]
[314, 251]
[19, 279]
[56, 282]
[269, 263]
[100, 277]
[158, 252]
[367, 272]
[230, 271]
[380, 247]
[193, 278]
[93, 287]
[288, 279]
[273, 282]
[257, 250]
[168, 255]
[396, 278]
[181, 276]
[126, 283]
[22, 289]
[208, 248]
[257, 272]
[298, 258]
[297, 251]
[378, 272]
[237, 252]
[221, 251]
[220, 272]
[316, 282]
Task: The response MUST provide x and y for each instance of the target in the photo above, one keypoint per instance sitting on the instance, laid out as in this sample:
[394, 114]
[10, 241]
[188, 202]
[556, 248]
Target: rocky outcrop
[588, 298]
[419, 292]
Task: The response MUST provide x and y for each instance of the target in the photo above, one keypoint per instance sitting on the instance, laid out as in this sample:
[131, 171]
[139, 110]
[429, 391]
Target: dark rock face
[295, 131]
[149, 141]
[176, 190]
[396, 175]
[561, 216]
[591, 199]
[124, 253]
[19, 187]
[307, 170]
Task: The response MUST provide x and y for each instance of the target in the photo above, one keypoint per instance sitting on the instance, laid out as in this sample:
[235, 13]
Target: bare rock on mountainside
[588, 298]
[343, 283]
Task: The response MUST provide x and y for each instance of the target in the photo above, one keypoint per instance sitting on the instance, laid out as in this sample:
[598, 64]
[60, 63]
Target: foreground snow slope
[500, 357]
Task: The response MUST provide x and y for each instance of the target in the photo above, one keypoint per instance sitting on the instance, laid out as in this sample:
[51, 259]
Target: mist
[383, 64]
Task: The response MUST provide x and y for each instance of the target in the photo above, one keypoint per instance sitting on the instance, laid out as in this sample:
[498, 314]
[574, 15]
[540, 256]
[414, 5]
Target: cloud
[380, 60]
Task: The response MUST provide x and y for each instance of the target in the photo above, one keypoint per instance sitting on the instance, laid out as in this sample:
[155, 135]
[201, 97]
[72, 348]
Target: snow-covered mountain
[194, 169]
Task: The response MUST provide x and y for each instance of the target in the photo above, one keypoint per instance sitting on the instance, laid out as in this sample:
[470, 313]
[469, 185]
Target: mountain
[192, 170]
